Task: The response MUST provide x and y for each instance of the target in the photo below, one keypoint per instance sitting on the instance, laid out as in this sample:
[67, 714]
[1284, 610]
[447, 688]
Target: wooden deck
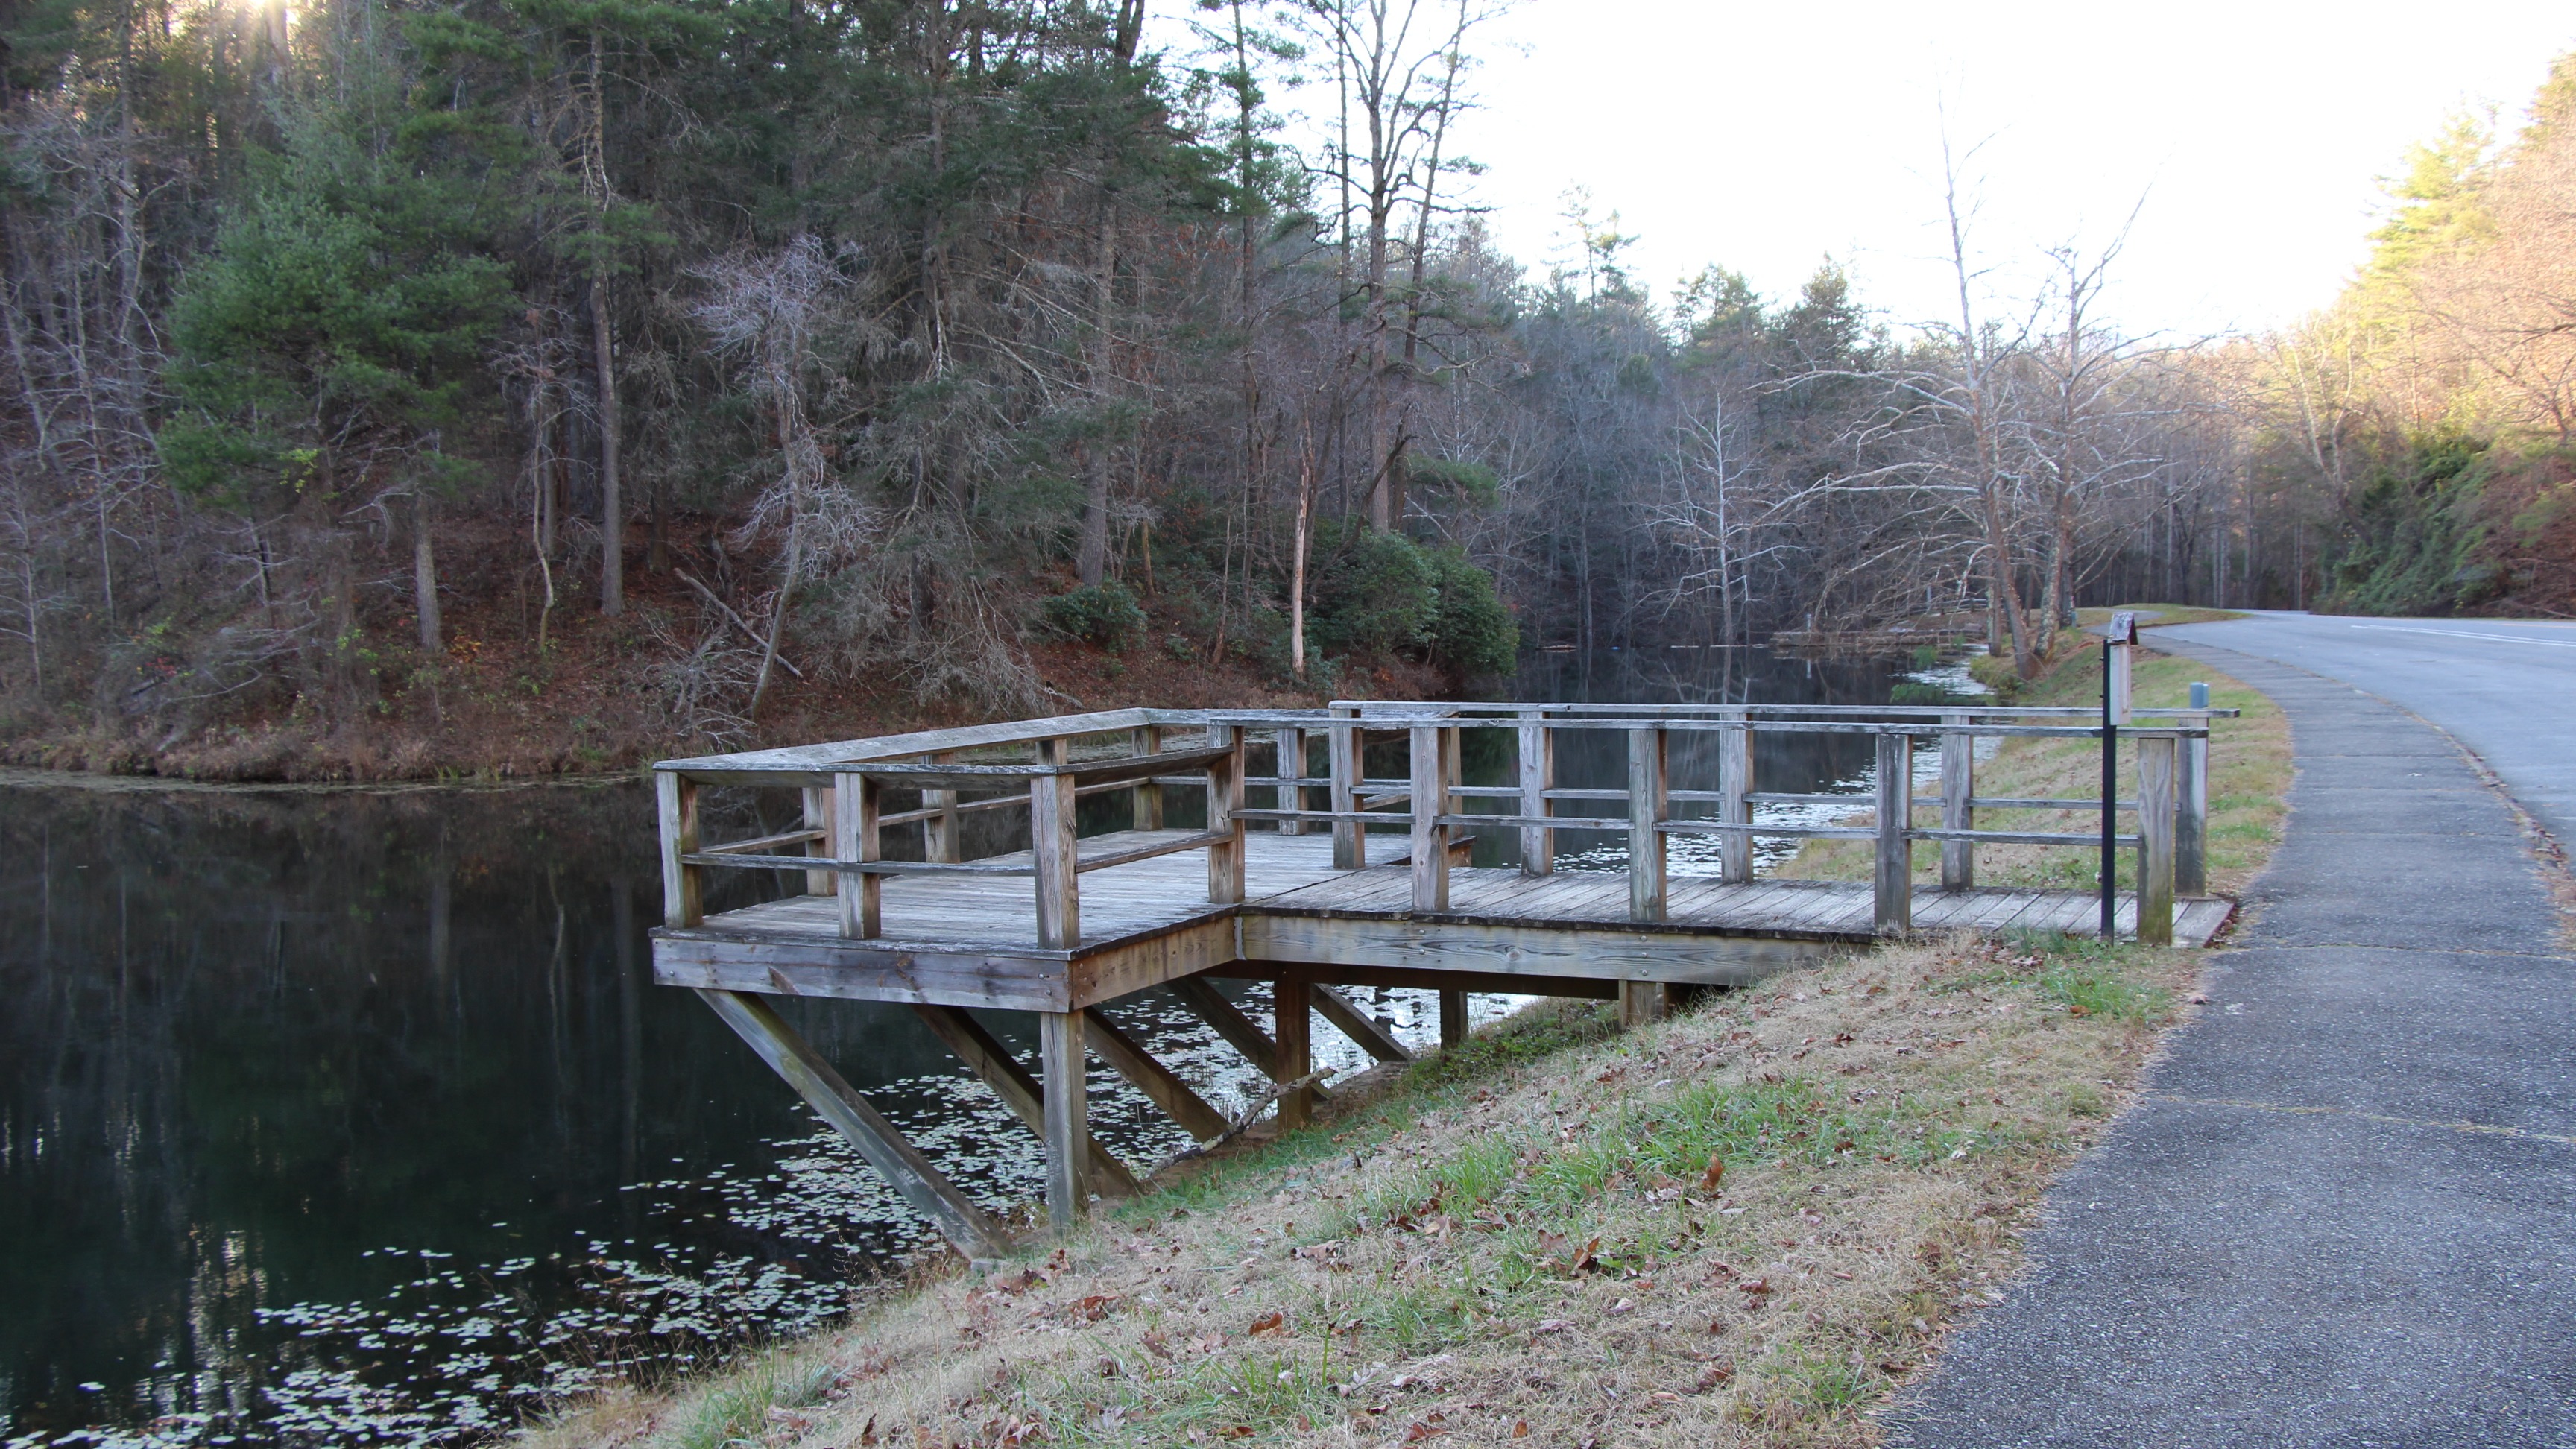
[1348, 878]
[972, 939]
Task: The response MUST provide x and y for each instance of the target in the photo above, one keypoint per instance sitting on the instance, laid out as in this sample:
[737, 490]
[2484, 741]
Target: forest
[387, 377]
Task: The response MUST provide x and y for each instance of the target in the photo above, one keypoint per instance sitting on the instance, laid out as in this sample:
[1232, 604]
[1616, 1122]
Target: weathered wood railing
[1145, 751]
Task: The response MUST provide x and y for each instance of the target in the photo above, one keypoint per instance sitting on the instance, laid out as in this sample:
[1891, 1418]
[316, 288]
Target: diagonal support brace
[968, 1227]
[990, 1060]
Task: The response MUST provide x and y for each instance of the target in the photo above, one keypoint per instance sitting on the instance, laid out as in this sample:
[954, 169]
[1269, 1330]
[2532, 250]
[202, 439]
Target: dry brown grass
[1517, 1241]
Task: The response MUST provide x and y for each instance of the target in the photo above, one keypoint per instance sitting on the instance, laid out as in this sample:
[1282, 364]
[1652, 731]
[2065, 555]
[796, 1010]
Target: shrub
[1383, 593]
[1915, 691]
[1104, 613]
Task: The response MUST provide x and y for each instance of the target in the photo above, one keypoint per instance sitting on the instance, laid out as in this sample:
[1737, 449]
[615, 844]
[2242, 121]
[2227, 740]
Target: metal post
[2110, 797]
[2191, 804]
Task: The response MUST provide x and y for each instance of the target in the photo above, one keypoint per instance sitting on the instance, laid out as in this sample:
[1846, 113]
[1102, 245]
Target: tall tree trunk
[424, 571]
[612, 513]
[1092, 562]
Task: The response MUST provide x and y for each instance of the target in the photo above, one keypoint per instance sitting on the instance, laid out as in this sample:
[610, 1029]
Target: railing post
[1292, 766]
[1342, 749]
[1292, 1026]
[1538, 776]
[2156, 840]
[1958, 787]
[1064, 1087]
[1148, 813]
[940, 840]
[1735, 785]
[2191, 813]
[1051, 851]
[854, 837]
[675, 807]
[1225, 797]
[818, 816]
[1893, 880]
[1648, 803]
[1430, 793]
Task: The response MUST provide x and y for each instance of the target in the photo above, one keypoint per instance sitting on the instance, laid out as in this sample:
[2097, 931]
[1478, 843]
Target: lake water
[355, 1118]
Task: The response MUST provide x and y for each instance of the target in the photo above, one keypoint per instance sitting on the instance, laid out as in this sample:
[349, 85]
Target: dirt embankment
[600, 695]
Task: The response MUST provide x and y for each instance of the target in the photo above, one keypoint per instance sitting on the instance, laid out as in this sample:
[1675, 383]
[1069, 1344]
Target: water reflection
[355, 1118]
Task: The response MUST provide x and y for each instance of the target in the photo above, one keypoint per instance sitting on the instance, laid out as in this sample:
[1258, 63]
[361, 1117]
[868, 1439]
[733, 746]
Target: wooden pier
[1333, 879]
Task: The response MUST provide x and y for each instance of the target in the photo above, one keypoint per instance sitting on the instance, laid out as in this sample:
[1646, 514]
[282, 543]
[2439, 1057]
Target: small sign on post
[2119, 644]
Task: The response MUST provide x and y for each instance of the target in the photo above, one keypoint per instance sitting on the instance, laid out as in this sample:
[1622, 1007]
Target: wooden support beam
[973, 1231]
[2191, 817]
[1356, 1024]
[1537, 761]
[1342, 752]
[1228, 1021]
[854, 837]
[1292, 766]
[1958, 805]
[1642, 1002]
[1735, 805]
[1892, 883]
[818, 819]
[1225, 858]
[1649, 802]
[987, 1058]
[2156, 839]
[1430, 801]
[1149, 792]
[1292, 1025]
[1153, 1079]
[675, 807]
[1051, 850]
[1453, 1017]
[941, 838]
[1068, 1113]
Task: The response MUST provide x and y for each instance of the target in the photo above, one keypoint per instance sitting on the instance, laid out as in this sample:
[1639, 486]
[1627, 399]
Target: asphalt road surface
[2344, 1212]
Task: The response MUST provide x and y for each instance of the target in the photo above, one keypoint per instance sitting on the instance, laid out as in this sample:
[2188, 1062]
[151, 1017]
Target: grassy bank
[1744, 1225]
[2249, 775]
[1749, 1224]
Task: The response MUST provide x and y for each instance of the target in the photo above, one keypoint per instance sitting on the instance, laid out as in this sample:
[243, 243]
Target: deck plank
[1150, 920]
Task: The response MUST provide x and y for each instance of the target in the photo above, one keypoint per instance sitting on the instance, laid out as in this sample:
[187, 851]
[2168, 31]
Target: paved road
[2345, 1213]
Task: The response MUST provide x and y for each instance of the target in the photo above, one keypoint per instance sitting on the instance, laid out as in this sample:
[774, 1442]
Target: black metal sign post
[2122, 632]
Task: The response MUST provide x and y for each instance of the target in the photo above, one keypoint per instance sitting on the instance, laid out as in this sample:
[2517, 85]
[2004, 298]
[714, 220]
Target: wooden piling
[1343, 760]
[1292, 1028]
[1225, 798]
[675, 803]
[988, 1059]
[1068, 1125]
[2156, 839]
[854, 837]
[1051, 851]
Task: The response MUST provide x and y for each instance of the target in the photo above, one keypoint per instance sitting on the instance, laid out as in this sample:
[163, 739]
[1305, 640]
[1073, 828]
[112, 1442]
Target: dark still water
[349, 1118]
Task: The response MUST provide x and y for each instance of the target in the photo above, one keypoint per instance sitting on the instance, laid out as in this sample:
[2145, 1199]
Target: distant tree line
[887, 336]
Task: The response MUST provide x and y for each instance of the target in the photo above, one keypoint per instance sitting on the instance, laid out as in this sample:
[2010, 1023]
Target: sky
[2248, 138]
